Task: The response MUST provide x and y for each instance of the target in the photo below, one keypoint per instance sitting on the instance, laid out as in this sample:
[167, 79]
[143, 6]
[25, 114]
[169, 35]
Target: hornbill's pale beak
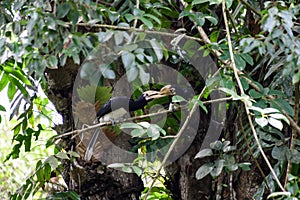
[165, 91]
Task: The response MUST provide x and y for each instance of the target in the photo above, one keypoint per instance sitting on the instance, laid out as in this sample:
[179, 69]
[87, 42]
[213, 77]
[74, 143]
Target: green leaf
[128, 59]
[157, 49]
[152, 17]
[62, 155]
[53, 162]
[231, 92]
[204, 153]
[62, 10]
[270, 110]
[229, 148]
[245, 83]
[280, 195]
[254, 94]
[132, 73]
[137, 170]
[52, 60]
[280, 153]
[204, 170]
[47, 172]
[130, 125]
[195, 2]
[213, 20]
[73, 16]
[19, 86]
[153, 132]
[275, 123]
[126, 169]
[200, 103]
[118, 36]
[177, 99]
[4, 80]
[280, 116]
[2, 108]
[245, 166]
[65, 195]
[129, 17]
[228, 3]
[247, 58]
[281, 104]
[18, 73]
[147, 22]
[218, 167]
[261, 121]
[240, 63]
[144, 77]
[116, 165]
[11, 91]
[217, 145]
[107, 72]
[138, 132]
[104, 36]
[74, 154]
[39, 171]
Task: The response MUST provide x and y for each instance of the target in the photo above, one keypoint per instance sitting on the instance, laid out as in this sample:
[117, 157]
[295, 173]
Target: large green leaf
[62, 10]
[204, 153]
[204, 170]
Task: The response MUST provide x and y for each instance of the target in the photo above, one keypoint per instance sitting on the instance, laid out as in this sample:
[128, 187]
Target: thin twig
[245, 103]
[108, 123]
[136, 19]
[124, 28]
[252, 154]
[294, 133]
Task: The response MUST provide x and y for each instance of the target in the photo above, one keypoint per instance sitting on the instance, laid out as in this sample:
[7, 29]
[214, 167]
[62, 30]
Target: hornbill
[117, 107]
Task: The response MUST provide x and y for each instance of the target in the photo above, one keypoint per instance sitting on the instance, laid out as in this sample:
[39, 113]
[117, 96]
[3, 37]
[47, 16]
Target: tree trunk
[91, 180]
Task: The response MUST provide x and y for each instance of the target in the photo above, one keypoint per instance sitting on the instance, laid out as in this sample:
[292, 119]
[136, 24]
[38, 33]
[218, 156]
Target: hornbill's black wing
[114, 104]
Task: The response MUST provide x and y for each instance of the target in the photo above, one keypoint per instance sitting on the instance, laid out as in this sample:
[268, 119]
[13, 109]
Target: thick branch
[134, 29]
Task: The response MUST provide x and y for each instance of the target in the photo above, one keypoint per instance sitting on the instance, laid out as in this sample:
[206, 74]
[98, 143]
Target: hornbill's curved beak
[167, 90]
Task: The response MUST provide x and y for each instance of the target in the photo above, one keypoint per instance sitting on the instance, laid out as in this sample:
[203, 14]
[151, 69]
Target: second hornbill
[117, 107]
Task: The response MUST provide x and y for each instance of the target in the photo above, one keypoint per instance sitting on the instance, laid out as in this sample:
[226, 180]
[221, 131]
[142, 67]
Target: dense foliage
[254, 44]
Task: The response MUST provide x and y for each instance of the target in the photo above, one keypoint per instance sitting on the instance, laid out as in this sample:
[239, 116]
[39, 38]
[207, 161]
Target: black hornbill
[117, 107]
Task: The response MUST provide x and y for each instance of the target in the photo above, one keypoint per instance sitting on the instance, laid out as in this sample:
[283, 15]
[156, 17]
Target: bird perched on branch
[118, 107]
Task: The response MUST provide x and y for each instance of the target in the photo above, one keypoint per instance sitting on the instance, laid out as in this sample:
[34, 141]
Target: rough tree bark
[91, 180]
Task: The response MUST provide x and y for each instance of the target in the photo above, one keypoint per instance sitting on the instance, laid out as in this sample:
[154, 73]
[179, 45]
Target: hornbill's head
[165, 91]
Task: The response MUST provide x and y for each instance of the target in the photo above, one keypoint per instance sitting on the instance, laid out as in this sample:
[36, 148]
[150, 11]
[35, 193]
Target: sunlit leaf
[275, 123]
[130, 125]
[62, 155]
[261, 121]
[204, 170]
[218, 167]
[116, 165]
[204, 153]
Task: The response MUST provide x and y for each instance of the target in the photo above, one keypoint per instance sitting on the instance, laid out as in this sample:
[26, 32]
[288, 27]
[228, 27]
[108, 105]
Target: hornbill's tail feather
[90, 147]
